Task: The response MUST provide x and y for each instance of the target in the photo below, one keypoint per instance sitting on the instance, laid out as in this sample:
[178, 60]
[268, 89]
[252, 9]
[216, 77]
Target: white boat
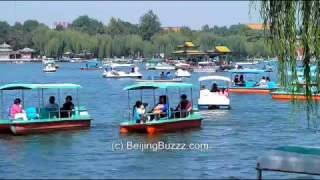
[117, 71]
[214, 99]
[49, 66]
[206, 66]
[182, 73]
[164, 66]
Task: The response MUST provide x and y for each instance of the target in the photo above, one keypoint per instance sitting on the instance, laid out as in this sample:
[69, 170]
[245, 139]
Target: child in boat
[67, 108]
[184, 107]
[139, 111]
[263, 82]
[16, 110]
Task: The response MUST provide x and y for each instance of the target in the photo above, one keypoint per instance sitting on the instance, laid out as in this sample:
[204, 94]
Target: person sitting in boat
[262, 82]
[236, 79]
[52, 107]
[241, 81]
[268, 79]
[139, 111]
[67, 108]
[161, 109]
[168, 75]
[162, 76]
[214, 87]
[16, 110]
[132, 70]
[223, 92]
[184, 107]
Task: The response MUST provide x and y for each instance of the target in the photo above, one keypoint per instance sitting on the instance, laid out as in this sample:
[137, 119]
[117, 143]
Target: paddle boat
[214, 100]
[41, 119]
[49, 66]
[92, 65]
[251, 83]
[152, 63]
[164, 66]
[297, 90]
[115, 70]
[161, 78]
[290, 159]
[182, 73]
[205, 66]
[168, 121]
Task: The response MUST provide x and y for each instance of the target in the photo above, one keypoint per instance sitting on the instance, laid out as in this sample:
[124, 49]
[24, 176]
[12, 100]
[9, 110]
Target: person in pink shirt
[16, 110]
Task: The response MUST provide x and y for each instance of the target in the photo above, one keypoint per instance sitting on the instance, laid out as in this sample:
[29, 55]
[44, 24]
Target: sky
[171, 13]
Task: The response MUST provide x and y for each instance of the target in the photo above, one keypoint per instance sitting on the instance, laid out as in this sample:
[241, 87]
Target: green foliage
[149, 25]
[121, 38]
[87, 25]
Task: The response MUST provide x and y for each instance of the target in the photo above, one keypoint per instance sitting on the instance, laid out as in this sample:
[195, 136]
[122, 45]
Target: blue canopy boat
[251, 83]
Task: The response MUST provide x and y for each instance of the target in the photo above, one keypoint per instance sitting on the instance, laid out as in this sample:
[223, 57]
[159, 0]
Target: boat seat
[32, 113]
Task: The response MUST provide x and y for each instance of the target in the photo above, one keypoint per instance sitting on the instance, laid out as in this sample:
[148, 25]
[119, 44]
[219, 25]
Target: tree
[149, 25]
[4, 30]
[119, 27]
[87, 25]
[294, 24]
[30, 25]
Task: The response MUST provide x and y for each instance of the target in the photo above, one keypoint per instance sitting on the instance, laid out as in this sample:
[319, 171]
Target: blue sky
[176, 13]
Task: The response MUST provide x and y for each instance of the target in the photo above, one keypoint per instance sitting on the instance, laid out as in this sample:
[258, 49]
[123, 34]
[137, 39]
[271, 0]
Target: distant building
[256, 26]
[5, 51]
[172, 29]
[63, 24]
[8, 54]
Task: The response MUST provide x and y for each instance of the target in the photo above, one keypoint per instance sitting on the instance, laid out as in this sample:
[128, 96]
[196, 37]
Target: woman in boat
[268, 79]
[214, 87]
[67, 107]
[161, 108]
[241, 81]
[223, 92]
[162, 76]
[16, 110]
[236, 79]
[184, 107]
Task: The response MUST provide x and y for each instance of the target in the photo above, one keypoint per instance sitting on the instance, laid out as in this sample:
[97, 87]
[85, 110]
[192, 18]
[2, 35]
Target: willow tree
[292, 25]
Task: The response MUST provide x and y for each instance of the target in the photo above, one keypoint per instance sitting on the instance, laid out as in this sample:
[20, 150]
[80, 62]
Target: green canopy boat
[167, 120]
[41, 119]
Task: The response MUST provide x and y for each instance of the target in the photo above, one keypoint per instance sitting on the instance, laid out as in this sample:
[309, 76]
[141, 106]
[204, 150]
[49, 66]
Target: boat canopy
[222, 78]
[247, 71]
[39, 86]
[295, 159]
[157, 86]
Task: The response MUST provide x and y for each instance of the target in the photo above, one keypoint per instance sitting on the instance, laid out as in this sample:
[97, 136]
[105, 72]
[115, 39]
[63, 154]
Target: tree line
[121, 38]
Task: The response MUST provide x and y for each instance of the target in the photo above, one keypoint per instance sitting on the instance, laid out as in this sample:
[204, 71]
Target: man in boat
[67, 108]
[184, 107]
[52, 107]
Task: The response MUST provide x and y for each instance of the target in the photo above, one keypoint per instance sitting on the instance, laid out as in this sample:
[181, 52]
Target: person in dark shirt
[184, 107]
[67, 107]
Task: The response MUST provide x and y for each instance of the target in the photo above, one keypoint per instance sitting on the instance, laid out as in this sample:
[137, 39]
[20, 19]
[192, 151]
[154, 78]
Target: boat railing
[172, 115]
[60, 114]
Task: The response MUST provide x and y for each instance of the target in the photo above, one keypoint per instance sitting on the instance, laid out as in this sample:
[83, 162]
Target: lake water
[236, 137]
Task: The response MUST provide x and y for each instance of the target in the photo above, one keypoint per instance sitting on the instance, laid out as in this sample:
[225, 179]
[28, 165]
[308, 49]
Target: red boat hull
[5, 129]
[168, 127]
[293, 97]
[250, 91]
[163, 127]
[22, 129]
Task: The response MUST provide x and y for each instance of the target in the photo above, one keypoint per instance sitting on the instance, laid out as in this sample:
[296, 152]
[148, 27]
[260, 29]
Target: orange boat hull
[250, 91]
[22, 129]
[163, 127]
[293, 97]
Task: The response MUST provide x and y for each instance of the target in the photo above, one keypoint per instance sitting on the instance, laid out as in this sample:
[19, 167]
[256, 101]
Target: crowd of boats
[161, 115]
